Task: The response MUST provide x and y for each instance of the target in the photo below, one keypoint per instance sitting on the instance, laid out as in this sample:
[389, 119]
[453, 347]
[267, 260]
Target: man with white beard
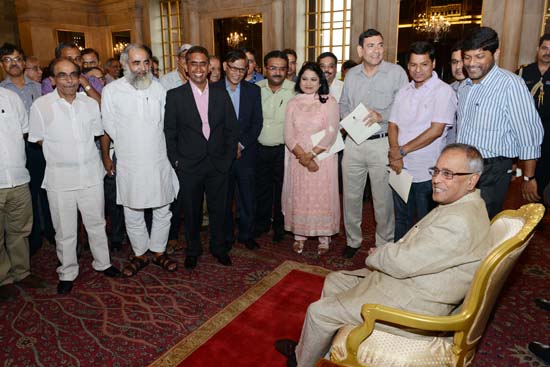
[133, 116]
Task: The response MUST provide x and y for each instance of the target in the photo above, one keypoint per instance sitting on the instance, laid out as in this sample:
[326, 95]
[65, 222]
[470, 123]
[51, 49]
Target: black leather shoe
[64, 286]
[542, 351]
[251, 244]
[225, 260]
[291, 361]
[112, 272]
[286, 347]
[32, 281]
[278, 236]
[7, 292]
[190, 262]
[349, 252]
[543, 304]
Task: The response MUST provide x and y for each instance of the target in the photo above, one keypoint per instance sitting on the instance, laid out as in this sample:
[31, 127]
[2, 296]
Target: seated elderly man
[428, 271]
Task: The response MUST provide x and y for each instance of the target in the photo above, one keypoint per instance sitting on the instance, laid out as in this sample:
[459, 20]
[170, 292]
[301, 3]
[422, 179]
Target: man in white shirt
[328, 62]
[133, 116]
[65, 123]
[15, 198]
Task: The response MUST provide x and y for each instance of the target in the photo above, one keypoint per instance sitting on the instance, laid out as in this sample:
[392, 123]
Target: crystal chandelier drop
[235, 39]
[436, 25]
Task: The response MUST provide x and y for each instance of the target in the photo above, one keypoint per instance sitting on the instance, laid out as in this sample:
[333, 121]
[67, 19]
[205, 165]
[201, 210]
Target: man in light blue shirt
[496, 114]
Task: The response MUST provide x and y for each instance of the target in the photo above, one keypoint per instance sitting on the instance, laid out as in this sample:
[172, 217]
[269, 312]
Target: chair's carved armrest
[373, 312]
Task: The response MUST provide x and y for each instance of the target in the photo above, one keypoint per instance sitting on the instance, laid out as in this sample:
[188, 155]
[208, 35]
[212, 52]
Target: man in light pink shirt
[201, 137]
[421, 113]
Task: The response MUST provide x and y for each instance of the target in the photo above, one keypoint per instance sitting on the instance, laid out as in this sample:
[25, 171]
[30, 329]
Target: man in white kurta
[133, 116]
[65, 123]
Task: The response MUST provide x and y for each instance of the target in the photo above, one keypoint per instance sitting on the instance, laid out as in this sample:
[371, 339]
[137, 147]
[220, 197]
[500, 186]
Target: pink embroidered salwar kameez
[310, 200]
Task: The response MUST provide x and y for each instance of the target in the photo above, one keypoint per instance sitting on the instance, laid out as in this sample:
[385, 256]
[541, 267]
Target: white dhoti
[64, 207]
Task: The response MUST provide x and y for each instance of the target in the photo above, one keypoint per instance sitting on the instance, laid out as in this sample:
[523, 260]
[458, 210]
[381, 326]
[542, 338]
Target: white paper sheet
[401, 183]
[355, 126]
[335, 148]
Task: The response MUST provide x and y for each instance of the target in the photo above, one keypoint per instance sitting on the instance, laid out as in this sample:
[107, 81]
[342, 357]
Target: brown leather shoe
[32, 281]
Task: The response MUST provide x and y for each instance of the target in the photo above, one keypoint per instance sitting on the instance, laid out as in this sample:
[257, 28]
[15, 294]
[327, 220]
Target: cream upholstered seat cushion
[389, 350]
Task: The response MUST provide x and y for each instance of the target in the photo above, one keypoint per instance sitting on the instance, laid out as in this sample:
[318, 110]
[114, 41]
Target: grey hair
[132, 46]
[475, 160]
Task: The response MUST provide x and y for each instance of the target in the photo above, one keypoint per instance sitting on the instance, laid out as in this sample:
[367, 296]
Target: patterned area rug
[132, 322]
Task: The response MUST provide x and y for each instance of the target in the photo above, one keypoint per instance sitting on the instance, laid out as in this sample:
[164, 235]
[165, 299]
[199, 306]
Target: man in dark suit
[201, 139]
[247, 101]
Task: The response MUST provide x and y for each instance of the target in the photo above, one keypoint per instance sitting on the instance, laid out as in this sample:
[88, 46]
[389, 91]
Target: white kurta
[134, 119]
[67, 131]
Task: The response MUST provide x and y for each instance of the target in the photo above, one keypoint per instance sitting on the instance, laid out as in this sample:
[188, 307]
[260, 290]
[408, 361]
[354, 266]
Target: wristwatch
[313, 154]
[87, 88]
[527, 178]
[402, 152]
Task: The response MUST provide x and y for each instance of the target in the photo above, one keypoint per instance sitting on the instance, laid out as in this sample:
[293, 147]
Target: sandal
[135, 265]
[322, 249]
[298, 247]
[165, 262]
[173, 246]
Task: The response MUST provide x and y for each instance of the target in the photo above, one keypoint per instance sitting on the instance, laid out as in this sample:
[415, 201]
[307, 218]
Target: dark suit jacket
[250, 118]
[186, 145]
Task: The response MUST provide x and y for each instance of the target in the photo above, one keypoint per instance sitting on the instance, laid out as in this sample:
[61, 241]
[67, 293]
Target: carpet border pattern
[190, 343]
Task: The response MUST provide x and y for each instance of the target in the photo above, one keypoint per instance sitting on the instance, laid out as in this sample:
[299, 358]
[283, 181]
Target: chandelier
[436, 25]
[235, 39]
[119, 47]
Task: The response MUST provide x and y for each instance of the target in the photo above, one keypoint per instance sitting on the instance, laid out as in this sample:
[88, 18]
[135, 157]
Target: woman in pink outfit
[310, 198]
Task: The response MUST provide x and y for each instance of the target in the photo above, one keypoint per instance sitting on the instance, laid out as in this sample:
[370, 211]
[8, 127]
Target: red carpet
[244, 337]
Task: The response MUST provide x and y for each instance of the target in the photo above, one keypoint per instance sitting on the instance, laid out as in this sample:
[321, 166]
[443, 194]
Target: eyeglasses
[447, 174]
[9, 60]
[89, 63]
[76, 59]
[237, 70]
[35, 68]
[65, 76]
[274, 68]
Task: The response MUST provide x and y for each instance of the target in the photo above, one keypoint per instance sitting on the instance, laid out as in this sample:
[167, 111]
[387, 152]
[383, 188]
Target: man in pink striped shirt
[201, 138]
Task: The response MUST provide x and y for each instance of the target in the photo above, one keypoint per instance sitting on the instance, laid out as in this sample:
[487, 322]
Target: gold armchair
[363, 346]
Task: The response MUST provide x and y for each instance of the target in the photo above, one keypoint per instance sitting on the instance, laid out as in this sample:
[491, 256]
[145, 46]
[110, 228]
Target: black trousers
[494, 183]
[242, 176]
[115, 211]
[42, 220]
[175, 221]
[270, 167]
[205, 178]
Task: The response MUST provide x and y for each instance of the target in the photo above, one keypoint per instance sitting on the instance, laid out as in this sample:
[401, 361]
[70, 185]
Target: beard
[137, 81]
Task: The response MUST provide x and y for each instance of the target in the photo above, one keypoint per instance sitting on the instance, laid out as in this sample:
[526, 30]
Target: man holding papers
[374, 83]
[417, 133]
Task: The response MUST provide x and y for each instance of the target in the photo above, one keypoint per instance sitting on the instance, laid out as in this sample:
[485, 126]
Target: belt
[495, 159]
[377, 136]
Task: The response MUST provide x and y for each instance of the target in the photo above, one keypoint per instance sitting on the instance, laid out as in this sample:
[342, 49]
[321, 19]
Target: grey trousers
[326, 316]
[367, 159]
